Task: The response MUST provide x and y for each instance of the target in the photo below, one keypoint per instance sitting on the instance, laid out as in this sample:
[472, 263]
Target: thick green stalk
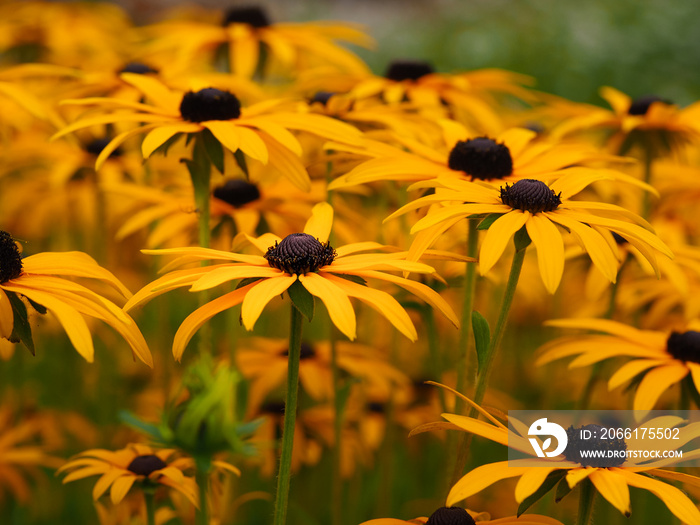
[149, 496]
[585, 502]
[290, 414]
[495, 342]
[202, 478]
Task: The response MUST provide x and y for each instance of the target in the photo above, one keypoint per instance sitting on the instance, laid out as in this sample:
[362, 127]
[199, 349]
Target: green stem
[149, 495]
[202, 478]
[337, 482]
[585, 502]
[290, 414]
[495, 342]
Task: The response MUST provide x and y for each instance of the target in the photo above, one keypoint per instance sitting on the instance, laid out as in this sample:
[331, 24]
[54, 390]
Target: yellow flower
[36, 278]
[119, 470]
[246, 31]
[460, 516]
[305, 258]
[538, 208]
[612, 482]
[21, 450]
[663, 123]
[261, 131]
[662, 359]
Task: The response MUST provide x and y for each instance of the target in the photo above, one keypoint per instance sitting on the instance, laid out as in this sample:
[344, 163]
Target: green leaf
[521, 239]
[548, 485]
[563, 490]
[482, 337]
[214, 149]
[38, 307]
[21, 329]
[302, 299]
[486, 223]
[240, 160]
[353, 278]
[151, 430]
[247, 281]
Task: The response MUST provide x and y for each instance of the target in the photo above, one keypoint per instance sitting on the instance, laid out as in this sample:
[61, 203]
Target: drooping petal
[231, 272]
[550, 250]
[482, 477]
[336, 301]
[160, 135]
[260, 294]
[225, 132]
[106, 480]
[629, 370]
[613, 488]
[655, 383]
[120, 488]
[530, 481]
[497, 237]
[6, 316]
[252, 145]
[287, 163]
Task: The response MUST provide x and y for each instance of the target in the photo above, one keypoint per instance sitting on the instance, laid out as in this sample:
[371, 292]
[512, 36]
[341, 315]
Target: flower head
[303, 260]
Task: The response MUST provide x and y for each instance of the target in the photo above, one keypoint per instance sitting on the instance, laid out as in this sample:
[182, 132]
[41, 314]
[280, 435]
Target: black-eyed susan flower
[248, 34]
[652, 121]
[307, 258]
[541, 209]
[660, 359]
[119, 470]
[611, 477]
[511, 155]
[460, 516]
[39, 279]
[260, 131]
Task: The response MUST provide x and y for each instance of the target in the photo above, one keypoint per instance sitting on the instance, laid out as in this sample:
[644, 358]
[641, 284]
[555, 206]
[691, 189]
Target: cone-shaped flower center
[299, 253]
[10, 258]
[450, 516]
[641, 105]
[146, 465]
[322, 96]
[481, 158]
[531, 195]
[685, 346]
[210, 104]
[96, 146]
[237, 192]
[585, 441]
[138, 68]
[400, 70]
[307, 351]
[250, 15]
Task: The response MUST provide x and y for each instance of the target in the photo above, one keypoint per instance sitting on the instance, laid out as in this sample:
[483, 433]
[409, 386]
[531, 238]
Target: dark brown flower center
[684, 346]
[641, 105]
[146, 465]
[10, 258]
[400, 70]
[589, 450]
[481, 158]
[322, 97]
[237, 192]
[138, 68]
[299, 253]
[307, 351]
[250, 15]
[530, 195]
[450, 516]
[96, 146]
[209, 104]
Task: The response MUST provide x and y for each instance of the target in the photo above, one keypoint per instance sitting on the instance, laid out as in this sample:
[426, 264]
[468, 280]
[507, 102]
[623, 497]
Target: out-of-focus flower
[460, 516]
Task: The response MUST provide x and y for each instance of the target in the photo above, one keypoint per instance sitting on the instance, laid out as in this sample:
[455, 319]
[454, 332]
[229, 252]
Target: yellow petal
[287, 163]
[550, 250]
[106, 480]
[277, 133]
[630, 370]
[336, 301]
[655, 383]
[677, 502]
[201, 315]
[530, 481]
[613, 488]
[261, 293]
[158, 136]
[156, 92]
[482, 477]
[576, 475]
[498, 236]
[6, 316]
[120, 488]
[252, 145]
[320, 222]
[225, 132]
[231, 272]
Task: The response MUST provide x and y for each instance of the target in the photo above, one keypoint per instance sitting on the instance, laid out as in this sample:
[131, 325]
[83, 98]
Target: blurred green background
[570, 47]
